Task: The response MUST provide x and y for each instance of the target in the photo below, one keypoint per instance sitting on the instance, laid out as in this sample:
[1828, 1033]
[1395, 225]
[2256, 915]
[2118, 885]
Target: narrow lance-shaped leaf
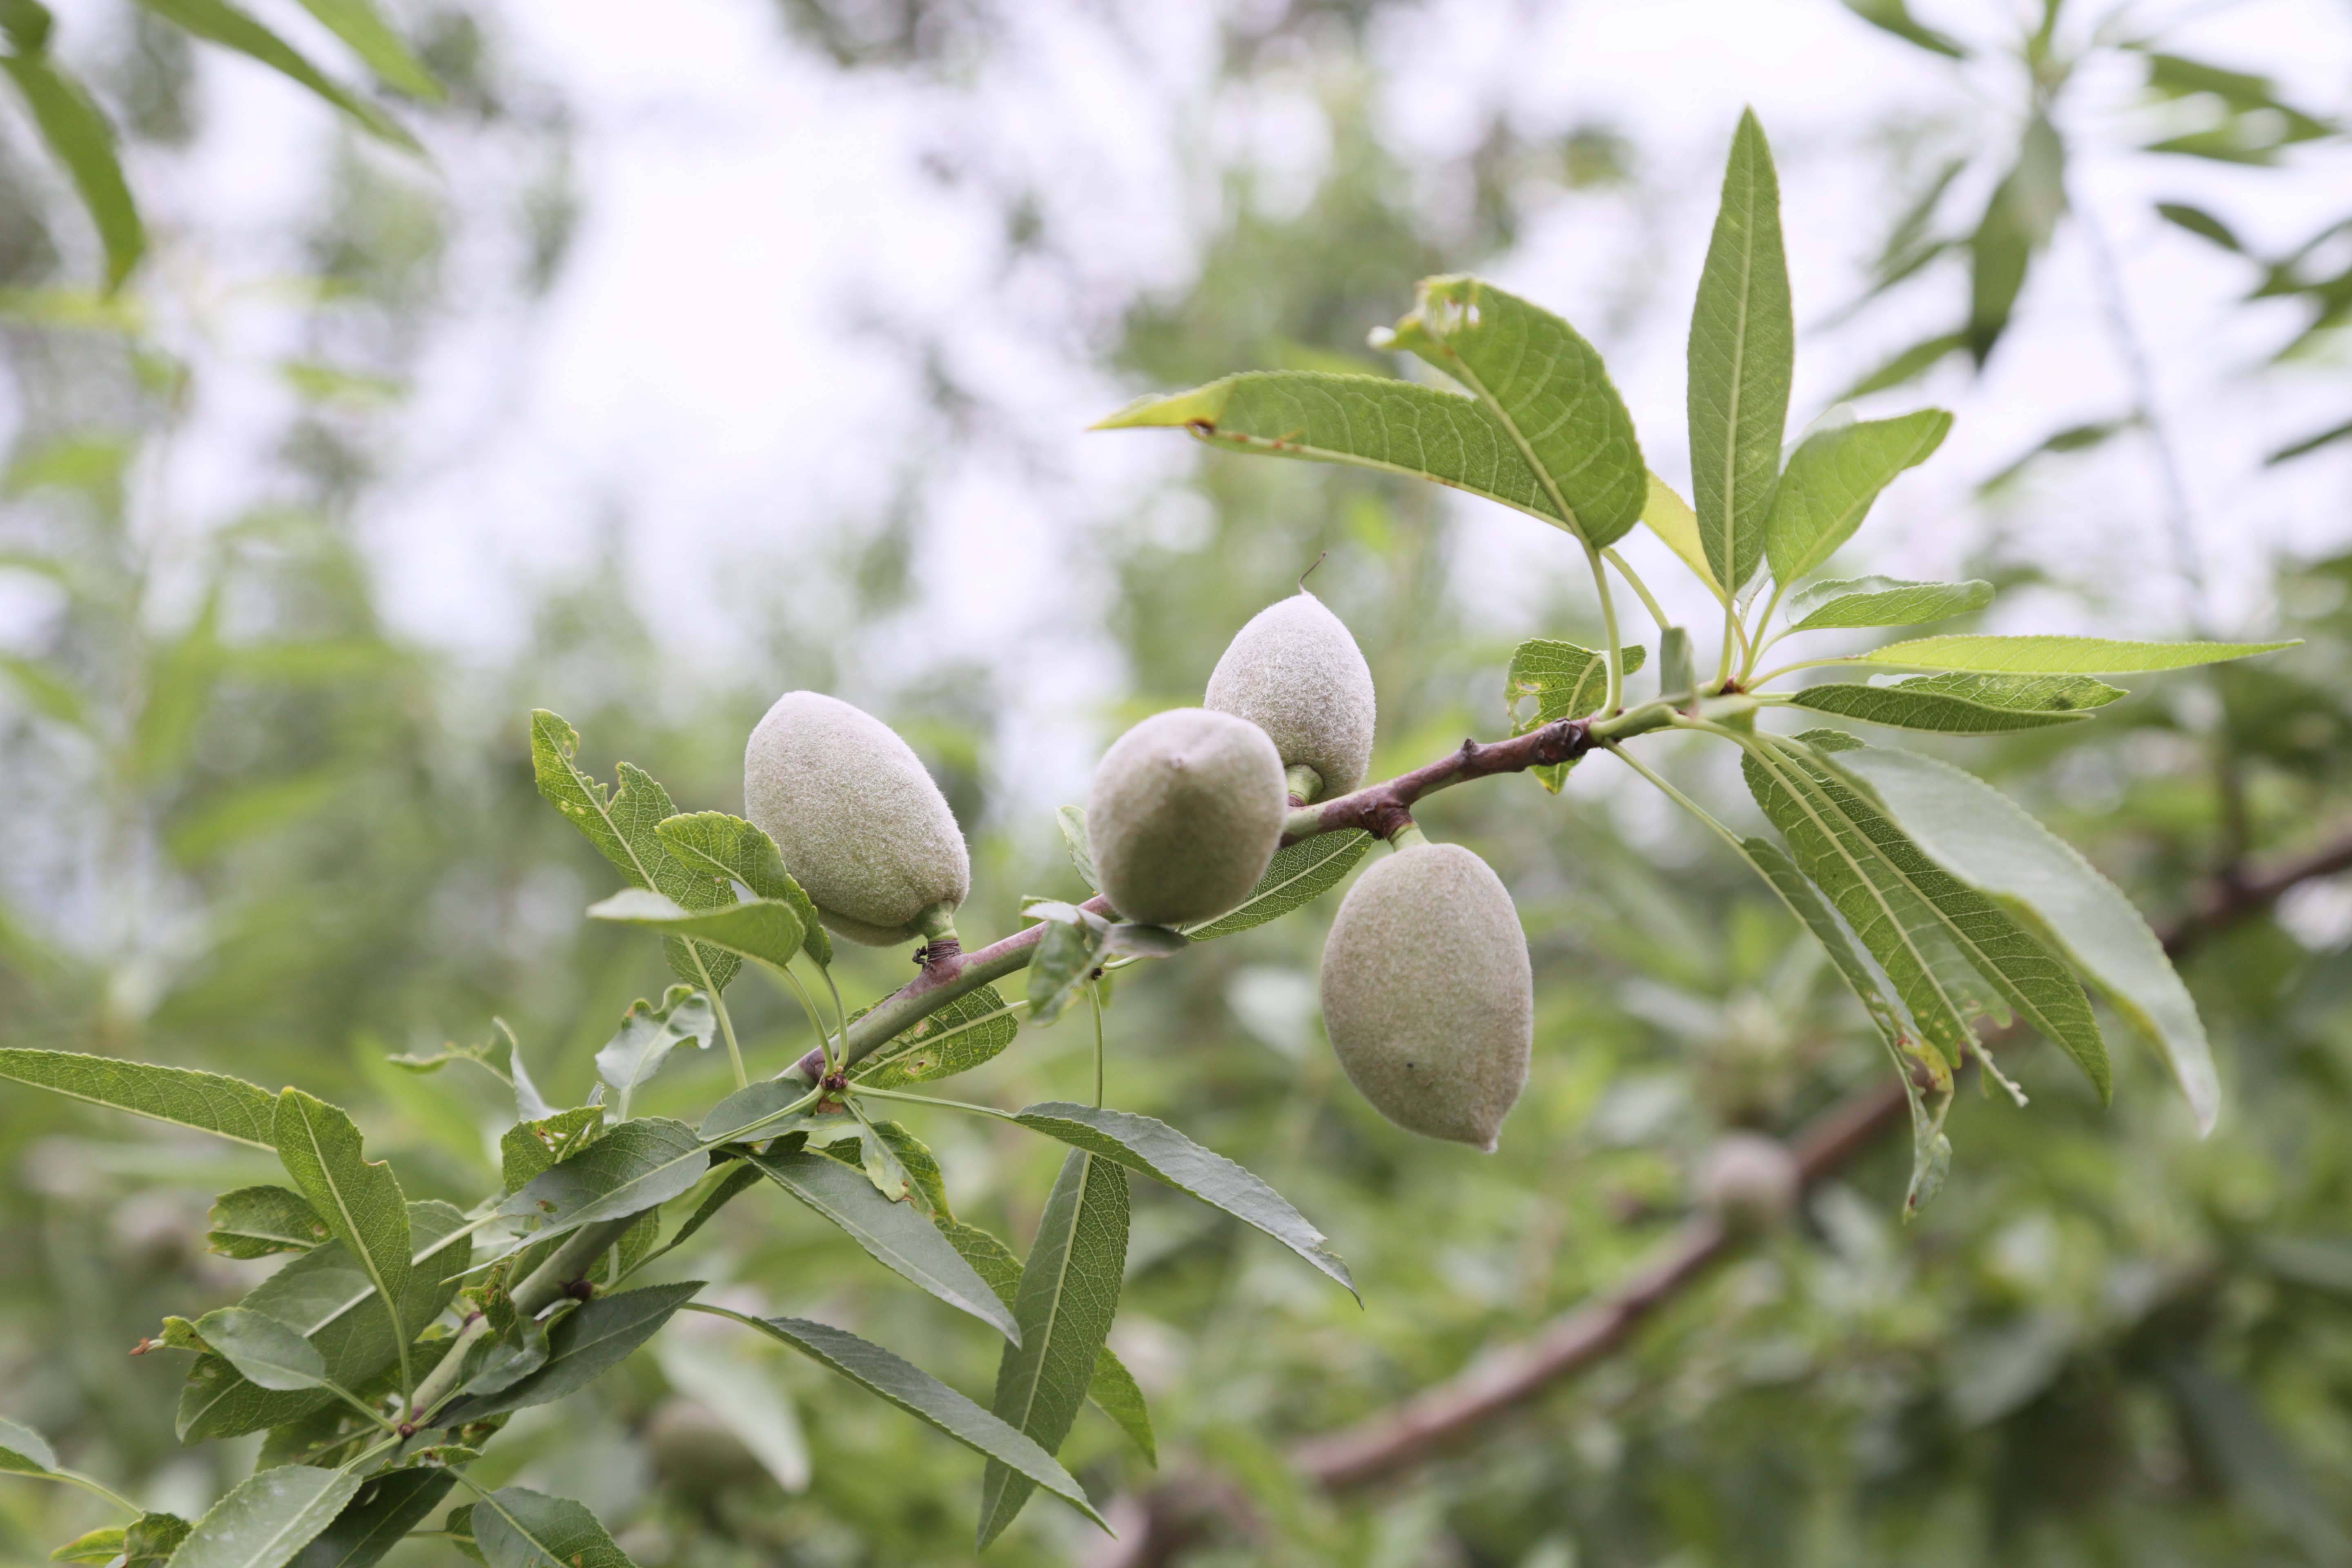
[1363, 421]
[730, 847]
[374, 1521]
[359, 25]
[1547, 389]
[581, 1346]
[636, 1167]
[218, 22]
[268, 1518]
[77, 132]
[270, 1351]
[1297, 875]
[1960, 704]
[764, 928]
[359, 1199]
[1159, 1151]
[1833, 477]
[230, 1107]
[2058, 655]
[920, 1394]
[515, 1527]
[1883, 602]
[1069, 1292]
[1743, 345]
[24, 1451]
[972, 1030]
[894, 1235]
[1984, 839]
[623, 825]
[2018, 221]
[1670, 517]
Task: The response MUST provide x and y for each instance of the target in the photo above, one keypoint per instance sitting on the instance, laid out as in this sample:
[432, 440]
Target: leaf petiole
[1641, 589]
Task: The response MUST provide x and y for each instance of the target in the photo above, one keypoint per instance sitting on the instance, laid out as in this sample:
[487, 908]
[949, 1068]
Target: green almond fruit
[1428, 996]
[858, 820]
[1185, 812]
[1296, 672]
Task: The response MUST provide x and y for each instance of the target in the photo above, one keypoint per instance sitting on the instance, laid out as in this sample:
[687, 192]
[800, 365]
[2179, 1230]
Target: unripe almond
[1427, 993]
[1749, 1182]
[1296, 673]
[1185, 812]
[858, 821]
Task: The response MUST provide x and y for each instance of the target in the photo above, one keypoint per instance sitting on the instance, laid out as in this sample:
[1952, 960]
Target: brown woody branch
[1380, 809]
[1160, 1524]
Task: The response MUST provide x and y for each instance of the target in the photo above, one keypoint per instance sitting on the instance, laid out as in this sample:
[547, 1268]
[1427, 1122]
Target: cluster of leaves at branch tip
[858, 820]
[1296, 673]
[1184, 815]
[1428, 995]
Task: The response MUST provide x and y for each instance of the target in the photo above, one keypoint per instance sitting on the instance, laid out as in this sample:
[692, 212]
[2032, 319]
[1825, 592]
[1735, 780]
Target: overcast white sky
[713, 367]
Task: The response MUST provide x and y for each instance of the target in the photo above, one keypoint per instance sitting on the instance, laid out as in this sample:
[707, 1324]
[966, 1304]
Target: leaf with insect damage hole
[1566, 682]
[966, 1033]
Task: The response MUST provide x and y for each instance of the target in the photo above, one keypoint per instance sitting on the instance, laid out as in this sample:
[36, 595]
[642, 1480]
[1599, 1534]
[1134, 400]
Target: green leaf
[359, 25]
[969, 1031]
[235, 1110]
[218, 22]
[1159, 1151]
[77, 132]
[636, 1167]
[746, 1108]
[730, 1186]
[747, 1400]
[581, 1346]
[730, 847]
[894, 1235]
[1069, 1291]
[1914, 918]
[1295, 876]
[387, 1507]
[43, 690]
[515, 1527]
[1895, 16]
[271, 1353]
[24, 1451]
[359, 1199]
[625, 826]
[1883, 602]
[921, 1395]
[926, 1182]
[1833, 477]
[648, 1034]
[268, 1518]
[2018, 221]
[1743, 345]
[1671, 519]
[254, 1222]
[1566, 681]
[1114, 1392]
[2059, 656]
[1072, 820]
[1985, 839]
[1364, 421]
[101, 1545]
[1906, 366]
[1066, 954]
[764, 928]
[499, 1362]
[1545, 386]
[529, 1147]
[332, 1300]
[152, 1539]
[1965, 704]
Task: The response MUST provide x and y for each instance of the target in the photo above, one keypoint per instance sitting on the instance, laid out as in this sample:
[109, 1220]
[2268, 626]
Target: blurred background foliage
[253, 828]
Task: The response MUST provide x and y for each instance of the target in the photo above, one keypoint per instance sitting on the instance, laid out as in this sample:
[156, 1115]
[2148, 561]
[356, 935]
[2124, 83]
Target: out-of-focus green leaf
[920, 1394]
[1987, 841]
[78, 133]
[2018, 221]
[648, 1034]
[1069, 1291]
[764, 928]
[1295, 876]
[581, 1346]
[218, 22]
[1883, 602]
[636, 1167]
[747, 1399]
[623, 825]
[515, 1527]
[1907, 365]
[100, 1545]
[969, 1031]
[730, 847]
[1365, 421]
[1743, 345]
[1159, 1151]
[268, 1518]
[270, 1351]
[1072, 820]
[231, 1107]
[2202, 223]
[2058, 655]
[2310, 444]
[46, 692]
[894, 1234]
[24, 1451]
[2073, 438]
[1895, 16]
[374, 1521]
[1545, 386]
[1833, 478]
[151, 1539]
[359, 25]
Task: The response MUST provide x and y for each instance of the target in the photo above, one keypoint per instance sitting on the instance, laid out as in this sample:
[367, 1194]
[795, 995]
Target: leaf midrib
[1493, 405]
[1728, 567]
[360, 1247]
[1054, 1315]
